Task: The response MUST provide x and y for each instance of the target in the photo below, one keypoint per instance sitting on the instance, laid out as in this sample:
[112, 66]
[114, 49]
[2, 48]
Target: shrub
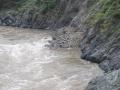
[105, 11]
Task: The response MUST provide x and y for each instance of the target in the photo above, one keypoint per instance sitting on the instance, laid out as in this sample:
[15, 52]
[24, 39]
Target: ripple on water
[25, 64]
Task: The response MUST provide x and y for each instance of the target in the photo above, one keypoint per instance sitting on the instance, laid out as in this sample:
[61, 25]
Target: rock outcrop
[100, 43]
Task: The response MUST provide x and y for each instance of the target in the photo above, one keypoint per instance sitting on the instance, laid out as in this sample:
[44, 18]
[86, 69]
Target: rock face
[59, 16]
[27, 20]
[110, 81]
[101, 45]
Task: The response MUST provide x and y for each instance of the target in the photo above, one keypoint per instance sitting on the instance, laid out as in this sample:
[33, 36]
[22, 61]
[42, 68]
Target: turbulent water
[26, 64]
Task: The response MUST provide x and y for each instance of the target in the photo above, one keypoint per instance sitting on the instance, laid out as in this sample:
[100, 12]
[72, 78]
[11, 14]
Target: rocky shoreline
[97, 44]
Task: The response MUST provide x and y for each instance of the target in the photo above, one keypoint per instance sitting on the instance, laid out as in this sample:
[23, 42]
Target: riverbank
[92, 25]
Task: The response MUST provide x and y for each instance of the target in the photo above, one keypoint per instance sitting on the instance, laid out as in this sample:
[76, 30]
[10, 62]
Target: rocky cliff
[100, 43]
[38, 13]
[99, 23]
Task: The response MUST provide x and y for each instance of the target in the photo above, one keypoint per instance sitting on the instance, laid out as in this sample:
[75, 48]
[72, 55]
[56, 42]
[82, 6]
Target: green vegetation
[43, 5]
[19, 5]
[105, 12]
[46, 5]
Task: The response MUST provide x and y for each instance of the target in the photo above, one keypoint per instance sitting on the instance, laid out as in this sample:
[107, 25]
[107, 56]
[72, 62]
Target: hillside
[37, 13]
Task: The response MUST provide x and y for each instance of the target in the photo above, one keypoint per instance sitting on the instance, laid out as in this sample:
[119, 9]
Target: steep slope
[99, 20]
[38, 13]
[100, 43]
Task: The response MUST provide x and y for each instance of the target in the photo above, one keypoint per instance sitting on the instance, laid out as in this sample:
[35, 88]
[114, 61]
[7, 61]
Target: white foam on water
[26, 64]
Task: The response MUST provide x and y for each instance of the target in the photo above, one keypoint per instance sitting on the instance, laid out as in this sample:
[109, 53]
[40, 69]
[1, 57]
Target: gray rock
[110, 81]
[0, 21]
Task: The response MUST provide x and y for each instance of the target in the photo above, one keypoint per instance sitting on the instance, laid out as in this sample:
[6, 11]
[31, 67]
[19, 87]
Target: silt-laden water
[26, 64]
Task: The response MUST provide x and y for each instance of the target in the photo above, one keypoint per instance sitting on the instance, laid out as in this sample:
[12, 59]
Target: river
[27, 64]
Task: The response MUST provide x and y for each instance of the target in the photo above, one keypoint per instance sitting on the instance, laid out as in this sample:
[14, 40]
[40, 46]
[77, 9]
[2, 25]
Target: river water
[26, 64]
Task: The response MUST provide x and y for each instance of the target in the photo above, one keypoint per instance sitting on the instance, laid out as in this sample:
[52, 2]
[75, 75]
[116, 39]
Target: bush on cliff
[105, 12]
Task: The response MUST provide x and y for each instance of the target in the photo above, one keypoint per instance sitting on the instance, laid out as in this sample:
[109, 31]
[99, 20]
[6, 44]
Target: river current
[27, 64]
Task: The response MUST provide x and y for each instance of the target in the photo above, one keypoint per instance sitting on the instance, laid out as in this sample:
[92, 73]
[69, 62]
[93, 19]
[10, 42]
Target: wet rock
[96, 56]
[0, 21]
[8, 20]
[101, 48]
[105, 65]
[112, 64]
[110, 81]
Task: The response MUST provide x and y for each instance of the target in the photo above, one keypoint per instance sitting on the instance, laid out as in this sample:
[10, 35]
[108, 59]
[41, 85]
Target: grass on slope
[19, 5]
[107, 12]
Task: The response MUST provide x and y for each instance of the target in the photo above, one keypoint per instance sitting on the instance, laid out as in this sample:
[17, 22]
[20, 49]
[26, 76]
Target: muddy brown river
[26, 64]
